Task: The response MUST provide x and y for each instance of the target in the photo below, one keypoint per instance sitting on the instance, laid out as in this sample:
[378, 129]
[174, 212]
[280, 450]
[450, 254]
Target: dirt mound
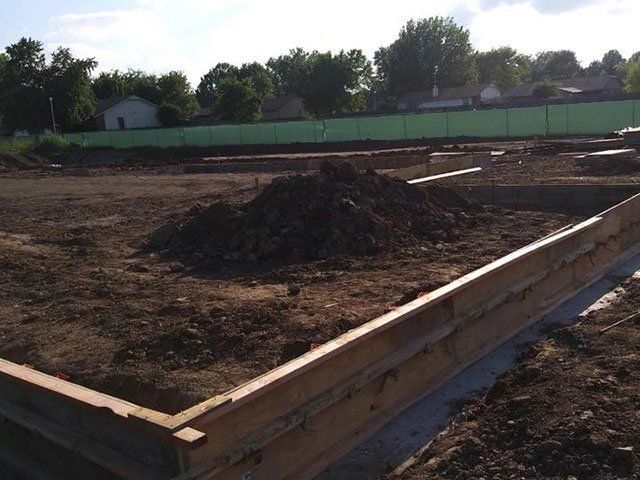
[335, 212]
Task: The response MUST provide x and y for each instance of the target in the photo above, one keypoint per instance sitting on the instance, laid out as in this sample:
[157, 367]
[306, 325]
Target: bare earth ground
[523, 169]
[568, 410]
[80, 301]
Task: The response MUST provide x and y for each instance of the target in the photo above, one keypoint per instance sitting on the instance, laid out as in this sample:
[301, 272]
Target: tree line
[427, 52]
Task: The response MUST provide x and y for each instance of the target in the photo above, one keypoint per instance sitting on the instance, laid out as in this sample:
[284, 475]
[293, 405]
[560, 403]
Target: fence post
[506, 111]
[358, 126]
[446, 113]
[404, 125]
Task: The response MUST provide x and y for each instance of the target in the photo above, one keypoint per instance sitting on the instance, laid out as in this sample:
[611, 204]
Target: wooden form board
[293, 421]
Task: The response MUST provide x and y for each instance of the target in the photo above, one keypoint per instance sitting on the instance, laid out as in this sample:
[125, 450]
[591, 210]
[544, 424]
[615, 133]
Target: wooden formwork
[293, 421]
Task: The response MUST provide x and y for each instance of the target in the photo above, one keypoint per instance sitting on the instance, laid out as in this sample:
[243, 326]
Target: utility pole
[53, 117]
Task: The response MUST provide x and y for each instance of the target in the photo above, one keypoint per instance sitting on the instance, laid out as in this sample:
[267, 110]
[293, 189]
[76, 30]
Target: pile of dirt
[338, 211]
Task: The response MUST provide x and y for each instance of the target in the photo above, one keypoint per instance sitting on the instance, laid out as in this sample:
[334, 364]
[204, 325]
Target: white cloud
[193, 35]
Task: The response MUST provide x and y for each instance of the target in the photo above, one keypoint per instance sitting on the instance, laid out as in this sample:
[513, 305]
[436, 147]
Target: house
[283, 107]
[449, 97]
[123, 113]
[205, 116]
[583, 88]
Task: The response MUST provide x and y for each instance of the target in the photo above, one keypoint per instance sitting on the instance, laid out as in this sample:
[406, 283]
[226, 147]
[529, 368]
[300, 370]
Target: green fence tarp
[426, 125]
[381, 128]
[478, 123]
[75, 139]
[341, 130]
[169, 137]
[554, 120]
[225, 135]
[144, 138]
[558, 118]
[97, 139]
[527, 122]
[600, 117]
[258, 134]
[306, 131]
[197, 136]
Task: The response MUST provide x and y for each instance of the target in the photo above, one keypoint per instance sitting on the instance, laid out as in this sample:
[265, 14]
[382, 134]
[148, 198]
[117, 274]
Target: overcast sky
[193, 35]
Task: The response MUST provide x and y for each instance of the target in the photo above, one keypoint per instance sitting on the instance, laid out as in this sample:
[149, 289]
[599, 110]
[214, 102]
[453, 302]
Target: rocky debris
[338, 211]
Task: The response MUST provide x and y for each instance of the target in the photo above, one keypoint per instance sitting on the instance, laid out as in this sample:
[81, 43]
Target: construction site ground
[80, 299]
[567, 410]
[533, 169]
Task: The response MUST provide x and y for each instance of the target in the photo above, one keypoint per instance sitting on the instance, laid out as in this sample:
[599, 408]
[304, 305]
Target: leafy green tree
[110, 84]
[171, 88]
[237, 100]
[427, 52]
[209, 82]
[544, 90]
[632, 80]
[503, 66]
[594, 68]
[336, 83]
[174, 89]
[68, 81]
[261, 78]
[555, 65]
[170, 115]
[611, 61]
[634, 58]
[289, 71]
[22, 94]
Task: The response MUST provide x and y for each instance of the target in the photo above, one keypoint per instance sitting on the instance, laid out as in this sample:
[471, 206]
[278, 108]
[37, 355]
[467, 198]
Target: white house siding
[454, 102]
[136, 114]
[490, 94]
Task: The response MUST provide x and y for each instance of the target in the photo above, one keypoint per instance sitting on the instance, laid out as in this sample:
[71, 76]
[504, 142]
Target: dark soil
[78, 298]
[338, 211]
[522, 169]
[569, 410]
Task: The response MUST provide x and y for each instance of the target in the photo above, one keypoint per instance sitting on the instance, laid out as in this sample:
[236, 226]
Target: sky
[194, 35]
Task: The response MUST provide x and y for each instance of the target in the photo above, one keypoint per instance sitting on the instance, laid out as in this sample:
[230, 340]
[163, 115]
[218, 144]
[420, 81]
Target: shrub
[19, 144]
[170, 115]
[52, 144]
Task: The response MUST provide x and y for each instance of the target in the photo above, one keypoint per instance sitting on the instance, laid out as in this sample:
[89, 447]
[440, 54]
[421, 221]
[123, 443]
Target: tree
[68, 82]
[237, 100]
[209, 82]
[289, 71]
[544, 90]
[171, 88]
[555, 65]
[24, 100]
[260, 77]
[503, 66]
[427, 52]
[174, 89]
[170, 115]
[595, 68]
[336, 83]
[109, 84]
[611, 61]
[632, 80]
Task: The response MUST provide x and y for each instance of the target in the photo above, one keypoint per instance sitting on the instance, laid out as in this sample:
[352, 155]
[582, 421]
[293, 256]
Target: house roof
[446, 93]
[276, 103]
[571, 85]
[591, 84]
[108, 103]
